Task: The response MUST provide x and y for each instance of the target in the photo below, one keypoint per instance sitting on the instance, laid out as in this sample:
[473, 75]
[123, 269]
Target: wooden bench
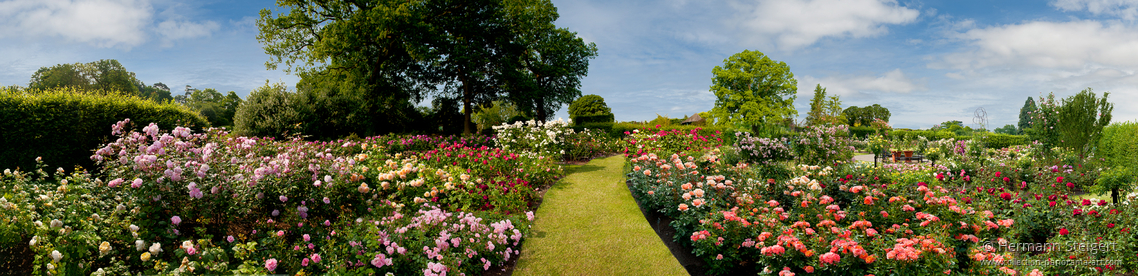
[916, 157]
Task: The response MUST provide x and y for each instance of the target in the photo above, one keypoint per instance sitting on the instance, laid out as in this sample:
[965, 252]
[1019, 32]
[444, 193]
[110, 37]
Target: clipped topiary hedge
[603, 127]
[64, 125]
[999, 141]
[928, 134]
[862, 131]
[582, 120]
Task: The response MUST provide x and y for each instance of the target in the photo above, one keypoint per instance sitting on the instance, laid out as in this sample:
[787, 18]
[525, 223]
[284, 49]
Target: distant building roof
[693, 119]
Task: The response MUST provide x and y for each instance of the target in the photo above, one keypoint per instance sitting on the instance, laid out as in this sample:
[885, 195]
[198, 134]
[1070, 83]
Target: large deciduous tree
[217, 108]
[752, 90]
[392, 52]
[106, 75]
[552, 72]
[1081, 120]
[353, 49]
[864, 116]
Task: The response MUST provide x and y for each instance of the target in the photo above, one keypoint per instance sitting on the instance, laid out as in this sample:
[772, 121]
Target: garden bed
[178, 202]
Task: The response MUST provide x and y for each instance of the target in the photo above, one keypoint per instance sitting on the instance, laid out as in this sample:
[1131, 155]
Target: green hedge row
[991, 140]
[999, 141]
[862, 132]
[928, 134]
[1119, 144]
[65, 126]
[590, 119]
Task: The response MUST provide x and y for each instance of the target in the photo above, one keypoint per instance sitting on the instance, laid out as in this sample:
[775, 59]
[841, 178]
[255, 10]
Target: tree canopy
[107, 75]
[218, 109]
[552, 72]
[1081, 120]
[752, 90]
[825, 110]
[392, 52]
[864, 116]
[1025, 115]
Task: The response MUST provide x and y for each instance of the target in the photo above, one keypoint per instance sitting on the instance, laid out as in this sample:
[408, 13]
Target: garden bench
[916, 157]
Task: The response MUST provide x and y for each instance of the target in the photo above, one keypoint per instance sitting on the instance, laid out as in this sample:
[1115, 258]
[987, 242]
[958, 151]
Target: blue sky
[927, 61]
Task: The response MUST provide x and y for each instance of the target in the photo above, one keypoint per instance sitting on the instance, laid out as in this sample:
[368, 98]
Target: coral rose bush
[966, 215]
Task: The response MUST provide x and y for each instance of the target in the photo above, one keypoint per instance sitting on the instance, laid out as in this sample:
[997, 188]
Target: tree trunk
[466, 98]
[541, 109]
[1114, 195]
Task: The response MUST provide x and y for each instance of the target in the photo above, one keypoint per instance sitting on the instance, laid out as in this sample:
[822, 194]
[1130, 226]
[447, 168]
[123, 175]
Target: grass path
[589, 224]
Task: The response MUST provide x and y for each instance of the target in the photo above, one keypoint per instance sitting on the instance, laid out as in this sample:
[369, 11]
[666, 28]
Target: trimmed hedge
[999, 141]
[1119, 144]
[604, 127]
[862, 131]
[65, 125]
[928, 134]
[591, 119]
[992, 140]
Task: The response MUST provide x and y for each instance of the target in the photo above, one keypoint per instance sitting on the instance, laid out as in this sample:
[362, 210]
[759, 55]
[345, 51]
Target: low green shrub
[582, 120]
[999, 141]
[62, 125]
[928, 134]
[861, 132]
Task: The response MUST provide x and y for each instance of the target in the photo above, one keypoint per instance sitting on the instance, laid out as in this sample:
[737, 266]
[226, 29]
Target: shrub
[270, 111]
[658, 140]
[823, 145]
[582, 120]
[906, 134]
[898, 219]
[766, 151]
[589, 105]
[605, 128]
[625, 128]
[62, 125]
[862, 132]
[217, 204]
[588, 143]
[1119, 149]
[999, 141]
[533, 137]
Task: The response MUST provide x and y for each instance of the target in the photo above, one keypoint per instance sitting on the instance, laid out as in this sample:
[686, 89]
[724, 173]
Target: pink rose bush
[204, 203]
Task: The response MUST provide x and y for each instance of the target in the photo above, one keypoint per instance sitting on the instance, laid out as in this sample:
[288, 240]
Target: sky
[927, 61]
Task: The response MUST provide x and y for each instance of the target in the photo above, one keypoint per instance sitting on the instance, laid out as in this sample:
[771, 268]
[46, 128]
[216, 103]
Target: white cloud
[175, 30]
[103, 23]
[1125, 9]
[792, 24]
[891, 82]
[1057, 45]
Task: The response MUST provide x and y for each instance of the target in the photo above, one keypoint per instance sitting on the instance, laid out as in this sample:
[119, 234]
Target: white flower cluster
[544, 139]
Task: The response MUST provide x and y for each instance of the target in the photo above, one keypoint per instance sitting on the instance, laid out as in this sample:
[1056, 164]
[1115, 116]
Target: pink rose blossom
[271, 264]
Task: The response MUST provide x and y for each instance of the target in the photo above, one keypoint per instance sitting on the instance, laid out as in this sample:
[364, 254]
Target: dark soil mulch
[17, 259]
[663, 227]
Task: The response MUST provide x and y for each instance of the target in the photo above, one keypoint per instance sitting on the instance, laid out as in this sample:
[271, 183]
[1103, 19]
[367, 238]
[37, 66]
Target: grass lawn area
[589, 224]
